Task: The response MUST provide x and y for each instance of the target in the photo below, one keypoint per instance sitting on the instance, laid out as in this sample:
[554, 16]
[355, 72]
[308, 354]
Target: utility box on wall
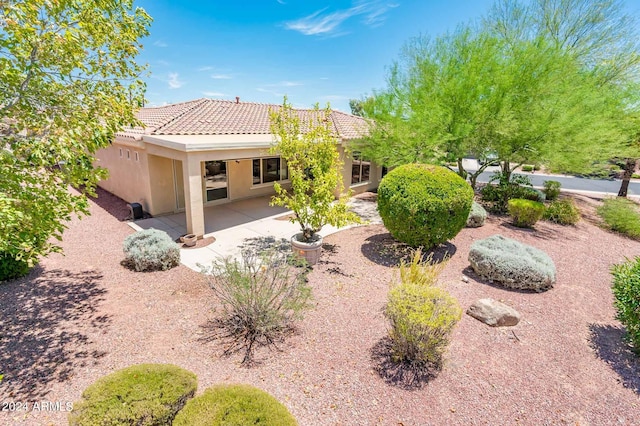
[135, 211]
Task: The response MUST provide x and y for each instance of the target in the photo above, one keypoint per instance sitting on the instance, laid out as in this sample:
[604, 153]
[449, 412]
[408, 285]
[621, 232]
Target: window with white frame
[360, 169]
[267, 170]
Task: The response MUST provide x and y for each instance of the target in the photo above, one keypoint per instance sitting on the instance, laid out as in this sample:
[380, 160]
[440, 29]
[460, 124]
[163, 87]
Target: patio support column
[194, 206]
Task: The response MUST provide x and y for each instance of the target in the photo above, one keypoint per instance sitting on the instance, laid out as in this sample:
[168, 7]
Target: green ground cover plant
[144, 394]
[621, 215]
[234, 405]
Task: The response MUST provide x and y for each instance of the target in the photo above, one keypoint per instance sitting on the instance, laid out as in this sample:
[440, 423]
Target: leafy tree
[356, 107]
[605, 40]
[309, 147]
[68, 81]
[508, 90]
[471, 93]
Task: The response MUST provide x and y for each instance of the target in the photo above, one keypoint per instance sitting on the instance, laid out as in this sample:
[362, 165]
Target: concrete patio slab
[233, 224]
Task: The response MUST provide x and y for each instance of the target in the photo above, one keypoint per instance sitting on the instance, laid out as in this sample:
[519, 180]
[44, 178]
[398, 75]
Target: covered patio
[218, 217]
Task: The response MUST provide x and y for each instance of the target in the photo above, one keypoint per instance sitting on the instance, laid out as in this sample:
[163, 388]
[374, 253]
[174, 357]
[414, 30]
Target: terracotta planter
[310, 251]
[189, 240]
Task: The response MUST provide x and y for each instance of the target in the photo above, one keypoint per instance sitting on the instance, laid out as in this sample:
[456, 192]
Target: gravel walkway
[82, 315]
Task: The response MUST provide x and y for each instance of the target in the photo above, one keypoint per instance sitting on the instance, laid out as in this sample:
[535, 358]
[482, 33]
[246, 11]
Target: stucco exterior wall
[128, 177]
[162, 184]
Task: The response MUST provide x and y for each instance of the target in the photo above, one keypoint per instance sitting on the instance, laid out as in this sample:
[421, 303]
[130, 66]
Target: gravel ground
[81, 316]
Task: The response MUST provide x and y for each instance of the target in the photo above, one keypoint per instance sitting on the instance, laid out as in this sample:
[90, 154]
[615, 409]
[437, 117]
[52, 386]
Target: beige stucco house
[205, 152]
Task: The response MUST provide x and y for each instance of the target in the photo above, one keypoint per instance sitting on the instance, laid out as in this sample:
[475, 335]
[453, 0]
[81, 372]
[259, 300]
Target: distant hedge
[424, 205]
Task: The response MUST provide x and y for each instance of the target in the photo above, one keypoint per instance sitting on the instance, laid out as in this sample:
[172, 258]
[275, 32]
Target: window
[267, 170]
[128, 155]
[136, 155]
[215, 180]
[360, 169]
[120, 152]
[384, 171]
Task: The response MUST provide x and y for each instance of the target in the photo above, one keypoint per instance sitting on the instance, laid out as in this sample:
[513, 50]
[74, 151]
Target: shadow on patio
[218, 217]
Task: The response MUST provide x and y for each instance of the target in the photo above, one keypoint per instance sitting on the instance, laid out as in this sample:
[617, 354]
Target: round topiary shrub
[151, 250]
[525, 213]
[512, 264]
[234, 405]
[144, 394]
[424, 205]
[477, 216]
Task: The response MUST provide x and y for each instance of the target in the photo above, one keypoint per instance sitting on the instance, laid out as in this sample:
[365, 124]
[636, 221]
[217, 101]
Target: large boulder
[494, 313]
[512, 264]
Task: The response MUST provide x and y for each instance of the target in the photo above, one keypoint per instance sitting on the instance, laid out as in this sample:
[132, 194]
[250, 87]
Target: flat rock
[494, 313]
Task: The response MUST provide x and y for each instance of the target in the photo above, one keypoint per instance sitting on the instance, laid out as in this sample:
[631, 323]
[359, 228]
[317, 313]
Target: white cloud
[285, 84]
[163, 62]
[327, 23]
[214, 94]
[205, 68]
[174, 81]
[221, 76]
[160, 43]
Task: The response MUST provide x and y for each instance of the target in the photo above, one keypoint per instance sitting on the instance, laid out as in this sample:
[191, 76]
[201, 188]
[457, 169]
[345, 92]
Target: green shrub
[525, 213]
[512, 264]
[635, 176]
[499, 195]
[530, 194]
[12, 268]
[421, 320]
[234, 405]
[424, 205]
[562, 211]
[551, 189]
[144, 394]
[151, 250]
[420, 271]
[527, 168]
[626, 290]
[477, 216]
[262, 296]
[621, 215]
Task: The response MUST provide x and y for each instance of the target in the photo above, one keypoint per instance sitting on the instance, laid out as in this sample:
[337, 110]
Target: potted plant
[308, 145]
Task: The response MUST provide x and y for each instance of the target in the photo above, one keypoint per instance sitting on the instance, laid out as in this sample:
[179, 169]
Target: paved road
[576, 184]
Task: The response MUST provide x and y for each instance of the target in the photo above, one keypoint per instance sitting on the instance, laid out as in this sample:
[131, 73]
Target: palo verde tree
[605, 40]
[471, 93]
[68, 81]
[518, 95]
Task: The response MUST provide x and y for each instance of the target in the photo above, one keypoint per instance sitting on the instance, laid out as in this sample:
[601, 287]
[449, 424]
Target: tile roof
[219, 117]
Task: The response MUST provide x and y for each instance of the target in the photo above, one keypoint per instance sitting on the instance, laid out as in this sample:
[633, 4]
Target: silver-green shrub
[262, 296]
[512, 264]
[477, 216]
[151, 250]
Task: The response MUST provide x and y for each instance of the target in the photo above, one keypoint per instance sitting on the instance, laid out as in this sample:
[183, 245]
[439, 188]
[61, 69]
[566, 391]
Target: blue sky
[312, 51]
